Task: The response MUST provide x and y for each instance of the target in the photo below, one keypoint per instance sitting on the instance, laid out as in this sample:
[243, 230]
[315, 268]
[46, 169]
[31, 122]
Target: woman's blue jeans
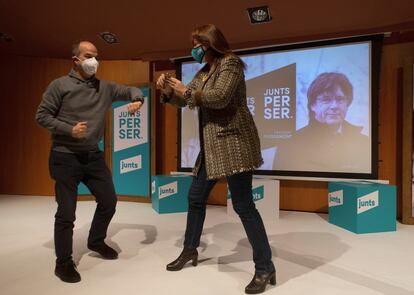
[240, 186]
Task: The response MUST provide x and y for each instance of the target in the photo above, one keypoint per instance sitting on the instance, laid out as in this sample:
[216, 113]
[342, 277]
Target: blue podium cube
[170, 192]
[362, 207]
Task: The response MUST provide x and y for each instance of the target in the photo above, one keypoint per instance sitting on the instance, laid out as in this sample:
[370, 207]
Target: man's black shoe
[67, 272]
[104, 250]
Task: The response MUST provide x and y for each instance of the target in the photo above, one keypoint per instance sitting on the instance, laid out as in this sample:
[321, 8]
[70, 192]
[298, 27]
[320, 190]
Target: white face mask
[90, 66]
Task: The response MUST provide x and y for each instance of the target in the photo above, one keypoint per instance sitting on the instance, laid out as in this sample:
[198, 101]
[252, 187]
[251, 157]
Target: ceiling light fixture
[258, 15]
[109, 37]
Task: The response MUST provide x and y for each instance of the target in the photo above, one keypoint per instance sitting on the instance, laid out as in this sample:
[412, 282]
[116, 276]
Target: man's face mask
[89, 66]
[198, 53]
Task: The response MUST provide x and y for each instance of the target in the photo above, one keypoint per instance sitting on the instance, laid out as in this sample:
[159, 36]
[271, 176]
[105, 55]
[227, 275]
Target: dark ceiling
[152, 30]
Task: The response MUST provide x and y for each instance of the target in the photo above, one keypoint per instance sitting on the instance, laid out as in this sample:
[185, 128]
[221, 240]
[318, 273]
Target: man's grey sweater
[71, 99]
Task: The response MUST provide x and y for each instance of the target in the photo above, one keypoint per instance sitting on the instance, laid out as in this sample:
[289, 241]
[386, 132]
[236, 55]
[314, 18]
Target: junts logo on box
[258, 193]
[367, 202]
[167, 190]
[130, 164]
[336, 198]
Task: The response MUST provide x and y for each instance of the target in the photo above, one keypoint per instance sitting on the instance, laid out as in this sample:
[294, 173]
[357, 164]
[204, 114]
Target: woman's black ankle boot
[185, 256]
[260, 281]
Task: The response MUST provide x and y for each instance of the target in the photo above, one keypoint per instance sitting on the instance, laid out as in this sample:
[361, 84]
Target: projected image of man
[329, 97]
[329, 141]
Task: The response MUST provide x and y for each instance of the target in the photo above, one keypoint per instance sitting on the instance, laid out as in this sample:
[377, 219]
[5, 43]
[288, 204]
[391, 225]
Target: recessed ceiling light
[6, 37]
[109, 37]
[259, 14]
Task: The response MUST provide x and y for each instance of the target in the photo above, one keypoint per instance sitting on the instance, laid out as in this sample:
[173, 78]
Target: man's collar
[76, 75]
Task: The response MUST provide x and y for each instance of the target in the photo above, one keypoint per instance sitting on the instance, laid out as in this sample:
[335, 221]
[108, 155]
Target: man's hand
[79, 130]
[134, 106]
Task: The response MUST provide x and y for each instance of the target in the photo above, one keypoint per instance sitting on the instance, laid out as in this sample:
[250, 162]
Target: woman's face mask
[89, 66]
[198, 53]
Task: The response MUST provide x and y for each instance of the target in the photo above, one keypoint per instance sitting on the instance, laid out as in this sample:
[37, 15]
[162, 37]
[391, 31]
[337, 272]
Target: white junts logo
[367, 202]
[258, 193]
[130, 164]
[167, 190]
[336, 198]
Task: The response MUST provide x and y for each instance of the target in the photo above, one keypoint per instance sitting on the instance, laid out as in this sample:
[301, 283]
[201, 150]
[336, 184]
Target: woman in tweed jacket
[230, 147]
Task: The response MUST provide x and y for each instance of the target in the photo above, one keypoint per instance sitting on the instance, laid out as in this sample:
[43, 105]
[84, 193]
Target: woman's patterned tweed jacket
[230, 143]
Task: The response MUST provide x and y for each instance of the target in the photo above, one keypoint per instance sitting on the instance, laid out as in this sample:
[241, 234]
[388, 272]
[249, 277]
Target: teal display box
[362, 207]
[170, 193]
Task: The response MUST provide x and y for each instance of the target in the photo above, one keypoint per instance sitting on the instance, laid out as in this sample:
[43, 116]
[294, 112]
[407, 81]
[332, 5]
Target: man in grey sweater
[73, 108]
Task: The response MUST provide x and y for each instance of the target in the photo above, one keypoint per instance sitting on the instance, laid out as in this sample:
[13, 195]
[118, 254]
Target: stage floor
[311, 255]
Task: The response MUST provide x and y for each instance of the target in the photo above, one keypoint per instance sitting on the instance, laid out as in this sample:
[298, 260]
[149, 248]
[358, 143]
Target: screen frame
[407, 141]
[376, 49]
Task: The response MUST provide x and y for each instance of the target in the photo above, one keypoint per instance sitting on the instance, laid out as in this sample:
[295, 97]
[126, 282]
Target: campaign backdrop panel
[131, 167]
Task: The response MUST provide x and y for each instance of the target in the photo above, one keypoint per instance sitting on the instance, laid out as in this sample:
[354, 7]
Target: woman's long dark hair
[210, 36]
